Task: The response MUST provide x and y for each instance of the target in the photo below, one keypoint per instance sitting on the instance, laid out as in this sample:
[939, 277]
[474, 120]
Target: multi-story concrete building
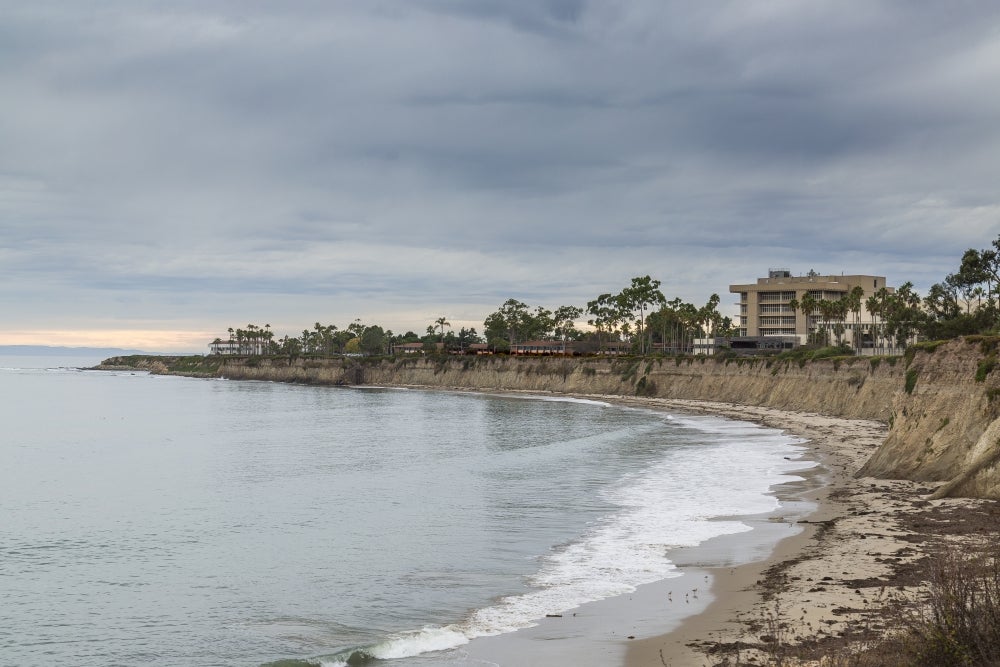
[768, 307]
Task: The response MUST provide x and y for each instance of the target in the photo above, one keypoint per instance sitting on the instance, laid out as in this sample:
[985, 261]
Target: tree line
[640, 319]
[329, 339]
[639, 316]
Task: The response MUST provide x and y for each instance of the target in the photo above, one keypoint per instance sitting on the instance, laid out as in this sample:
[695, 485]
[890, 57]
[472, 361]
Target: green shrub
[987, 344]
[985, 367]
[911, 381]
[928, 346]
[645, 387]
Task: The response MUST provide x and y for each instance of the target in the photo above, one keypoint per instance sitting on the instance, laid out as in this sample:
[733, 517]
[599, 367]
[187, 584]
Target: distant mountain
[58, 351]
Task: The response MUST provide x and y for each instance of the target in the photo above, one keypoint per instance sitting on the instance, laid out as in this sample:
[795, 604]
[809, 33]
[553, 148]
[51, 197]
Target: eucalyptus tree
[643, 293]
[942, 300]
[606, 315]
[564, 319]
[357, 327]
[503, 326]
[539, 324]
[978, 277]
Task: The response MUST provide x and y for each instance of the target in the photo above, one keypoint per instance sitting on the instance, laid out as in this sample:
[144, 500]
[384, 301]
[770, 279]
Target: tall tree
[635, 299]
[372, 340]
[442, 322]
[606, 316]
[507, 323]
[808, 305]
[565, 318]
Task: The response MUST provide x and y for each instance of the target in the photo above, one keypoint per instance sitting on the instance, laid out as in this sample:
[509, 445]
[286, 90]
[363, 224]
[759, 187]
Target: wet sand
[714, 578]
[861, 557]
[841, 446]
[842, 555]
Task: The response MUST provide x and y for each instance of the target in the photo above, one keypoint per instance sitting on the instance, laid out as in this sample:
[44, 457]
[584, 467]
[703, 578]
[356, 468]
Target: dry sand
[860, 556]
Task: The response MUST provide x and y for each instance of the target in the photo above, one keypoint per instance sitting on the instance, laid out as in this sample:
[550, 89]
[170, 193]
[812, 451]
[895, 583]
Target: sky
[170, 169]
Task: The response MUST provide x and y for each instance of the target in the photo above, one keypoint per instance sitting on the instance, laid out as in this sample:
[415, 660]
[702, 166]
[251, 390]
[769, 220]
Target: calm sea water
[171, 521]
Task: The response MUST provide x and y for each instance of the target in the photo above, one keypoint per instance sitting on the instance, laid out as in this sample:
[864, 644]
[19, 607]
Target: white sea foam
[405, 645]
[694, 495]
[571, 399]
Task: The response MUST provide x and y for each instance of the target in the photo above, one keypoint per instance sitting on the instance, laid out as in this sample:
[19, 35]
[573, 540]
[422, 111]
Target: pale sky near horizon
[171, 169]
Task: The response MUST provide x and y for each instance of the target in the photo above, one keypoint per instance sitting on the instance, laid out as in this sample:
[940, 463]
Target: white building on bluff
[772, 307]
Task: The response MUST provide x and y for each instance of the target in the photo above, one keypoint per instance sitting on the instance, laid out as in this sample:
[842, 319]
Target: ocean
[154, 520]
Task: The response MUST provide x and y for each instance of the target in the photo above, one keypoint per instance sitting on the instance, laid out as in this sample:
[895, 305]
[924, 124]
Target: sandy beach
[817, 579]
[858, 557]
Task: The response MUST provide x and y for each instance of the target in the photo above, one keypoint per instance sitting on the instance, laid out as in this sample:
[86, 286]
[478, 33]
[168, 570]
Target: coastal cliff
[855, 387]
[944, 425]
[942, 400]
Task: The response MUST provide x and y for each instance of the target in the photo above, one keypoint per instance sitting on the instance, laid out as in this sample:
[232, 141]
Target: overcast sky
[171, 169]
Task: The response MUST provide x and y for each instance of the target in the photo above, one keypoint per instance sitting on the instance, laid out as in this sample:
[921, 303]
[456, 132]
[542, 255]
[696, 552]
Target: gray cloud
[221, 161]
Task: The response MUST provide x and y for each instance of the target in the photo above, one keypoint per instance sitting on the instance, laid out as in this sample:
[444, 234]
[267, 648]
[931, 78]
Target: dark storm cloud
[434, 148]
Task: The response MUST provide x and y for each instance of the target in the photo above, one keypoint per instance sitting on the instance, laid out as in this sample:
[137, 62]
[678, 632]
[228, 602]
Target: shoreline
[833, 588]
[836, 587]
[603, 632]
[736, 589]
[671, 613]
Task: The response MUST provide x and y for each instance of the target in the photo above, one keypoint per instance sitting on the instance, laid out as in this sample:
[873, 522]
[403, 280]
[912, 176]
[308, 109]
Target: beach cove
[856, 558]
[193, 521]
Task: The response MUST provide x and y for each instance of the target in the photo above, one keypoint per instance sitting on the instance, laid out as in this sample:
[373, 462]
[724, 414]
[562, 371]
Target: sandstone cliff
[856, 387]
[944, 425]
[942, 401]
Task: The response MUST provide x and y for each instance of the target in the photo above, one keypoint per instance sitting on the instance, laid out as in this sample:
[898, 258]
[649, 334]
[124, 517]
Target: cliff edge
[944, 424]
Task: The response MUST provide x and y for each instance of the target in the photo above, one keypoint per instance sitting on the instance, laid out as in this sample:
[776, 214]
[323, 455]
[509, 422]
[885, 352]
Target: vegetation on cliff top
[640, 319]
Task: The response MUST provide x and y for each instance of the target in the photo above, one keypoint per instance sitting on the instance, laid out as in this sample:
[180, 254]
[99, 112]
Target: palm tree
[793, 305]
[808, 306]
[442, 323]
[872, 306]
[268, 337]
[854, 302]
